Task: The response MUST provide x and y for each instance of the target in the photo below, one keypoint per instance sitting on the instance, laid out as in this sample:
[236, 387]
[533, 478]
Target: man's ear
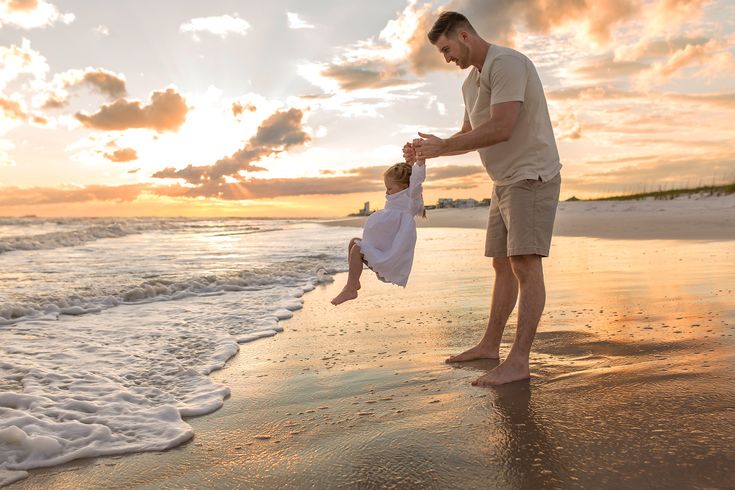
[463, 37]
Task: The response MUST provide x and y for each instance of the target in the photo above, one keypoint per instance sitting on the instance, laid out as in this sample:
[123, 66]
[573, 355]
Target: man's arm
[466, 128]
[497, 129]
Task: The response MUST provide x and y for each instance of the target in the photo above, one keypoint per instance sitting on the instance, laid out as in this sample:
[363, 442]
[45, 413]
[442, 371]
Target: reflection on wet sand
[632, 383]
[527, 455]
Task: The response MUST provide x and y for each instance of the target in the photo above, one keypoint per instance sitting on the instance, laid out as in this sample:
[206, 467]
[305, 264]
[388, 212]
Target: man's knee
[502, 265]
[526, 266]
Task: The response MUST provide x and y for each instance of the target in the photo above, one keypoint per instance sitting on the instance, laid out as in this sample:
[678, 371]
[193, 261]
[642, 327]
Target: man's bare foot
[345, 295]
[506, 372]
[477, 352]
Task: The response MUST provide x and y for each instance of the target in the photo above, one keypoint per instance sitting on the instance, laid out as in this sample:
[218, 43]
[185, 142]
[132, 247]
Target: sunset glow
[294, 109]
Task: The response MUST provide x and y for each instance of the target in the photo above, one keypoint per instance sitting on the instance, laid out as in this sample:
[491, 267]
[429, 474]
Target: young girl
[389, 236]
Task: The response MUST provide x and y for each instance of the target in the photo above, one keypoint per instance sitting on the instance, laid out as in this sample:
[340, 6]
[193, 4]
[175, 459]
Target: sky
[295, 108]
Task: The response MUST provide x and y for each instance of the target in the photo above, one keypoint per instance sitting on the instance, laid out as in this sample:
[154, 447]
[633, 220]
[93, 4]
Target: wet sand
[632, 383]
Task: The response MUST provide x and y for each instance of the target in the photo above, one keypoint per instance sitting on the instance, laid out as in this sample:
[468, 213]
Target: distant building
[365, 211]
[465, 203]
[457, 203]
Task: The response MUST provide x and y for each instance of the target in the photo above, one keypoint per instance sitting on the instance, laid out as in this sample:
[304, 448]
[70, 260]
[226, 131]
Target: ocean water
[109, 327]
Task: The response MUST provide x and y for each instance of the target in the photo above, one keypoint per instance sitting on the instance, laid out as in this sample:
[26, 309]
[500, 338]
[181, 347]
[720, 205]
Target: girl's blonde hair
[401, 173]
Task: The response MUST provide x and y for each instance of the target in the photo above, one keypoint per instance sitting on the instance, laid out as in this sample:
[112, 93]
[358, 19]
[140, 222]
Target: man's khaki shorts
[522, 218]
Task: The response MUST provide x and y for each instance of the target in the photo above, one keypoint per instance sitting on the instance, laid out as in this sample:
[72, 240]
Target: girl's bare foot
[347, 294]
[477, 352]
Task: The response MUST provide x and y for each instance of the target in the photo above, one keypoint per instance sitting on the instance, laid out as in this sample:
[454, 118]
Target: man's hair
[448, 23]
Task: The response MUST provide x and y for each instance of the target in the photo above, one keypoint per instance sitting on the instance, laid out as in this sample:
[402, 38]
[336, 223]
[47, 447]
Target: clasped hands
[428, 146]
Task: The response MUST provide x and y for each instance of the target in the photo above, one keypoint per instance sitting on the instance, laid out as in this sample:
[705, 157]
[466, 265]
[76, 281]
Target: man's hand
[409, 153]
[429, 146]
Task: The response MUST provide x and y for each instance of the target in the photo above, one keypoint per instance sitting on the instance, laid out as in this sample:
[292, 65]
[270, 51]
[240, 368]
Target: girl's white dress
[389, 235]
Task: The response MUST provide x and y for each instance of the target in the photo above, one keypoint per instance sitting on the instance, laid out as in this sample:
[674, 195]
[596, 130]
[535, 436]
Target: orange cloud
[361, 179]
[105, 82]
[567, 126]
[660, 72]
[14, 196]
[499, 20]
[12, 109]
[122, 155]
[22, 5]
[99, 79]
[166, 112]
[238, 108]
[29, 14]
[360, 75]
[280, 131]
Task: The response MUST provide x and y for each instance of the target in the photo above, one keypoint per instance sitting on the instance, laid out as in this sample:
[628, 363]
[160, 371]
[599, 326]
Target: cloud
[658, 171]
[279, 132]
[607, 69]
[29, 14]
[12, 109]
[667, 14]
[166, 112]
[15, 196]
[107, 83]
[102, 30]
[238, 108]
[659, 73]
[501, 20]
[717, 100]
[646, 48]
[6, 146]
[220, 26]
[21, 60]
[22, 5]
[567, 126]
[360, 179]
[296, 22]
[364, 75]
[122, 155]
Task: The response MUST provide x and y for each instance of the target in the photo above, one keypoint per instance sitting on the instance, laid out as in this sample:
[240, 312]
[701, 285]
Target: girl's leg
[353, 242]
[349, 292]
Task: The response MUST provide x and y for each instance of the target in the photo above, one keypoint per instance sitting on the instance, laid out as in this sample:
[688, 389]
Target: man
[507, 121]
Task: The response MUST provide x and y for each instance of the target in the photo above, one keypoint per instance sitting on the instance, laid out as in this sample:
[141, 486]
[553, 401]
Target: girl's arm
[418, 175]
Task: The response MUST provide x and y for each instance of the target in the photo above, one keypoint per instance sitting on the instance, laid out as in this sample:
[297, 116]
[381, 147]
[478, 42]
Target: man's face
[454, 50]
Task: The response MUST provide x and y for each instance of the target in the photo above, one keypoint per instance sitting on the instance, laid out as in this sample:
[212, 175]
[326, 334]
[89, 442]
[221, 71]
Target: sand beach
[632, 380]
[685, 218]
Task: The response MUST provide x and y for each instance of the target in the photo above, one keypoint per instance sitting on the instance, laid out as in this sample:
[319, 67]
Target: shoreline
[711, 218]
[360, 396]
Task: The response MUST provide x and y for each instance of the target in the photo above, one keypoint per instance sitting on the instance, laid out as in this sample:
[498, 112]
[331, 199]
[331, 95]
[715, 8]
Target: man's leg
[529, 272]
[353, 276]
[505, 294]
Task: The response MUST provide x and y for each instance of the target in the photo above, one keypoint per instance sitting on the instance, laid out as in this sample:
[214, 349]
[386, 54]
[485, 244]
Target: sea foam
[107, 346]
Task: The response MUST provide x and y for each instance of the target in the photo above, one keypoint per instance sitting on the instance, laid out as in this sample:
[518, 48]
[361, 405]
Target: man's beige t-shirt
[506, 76]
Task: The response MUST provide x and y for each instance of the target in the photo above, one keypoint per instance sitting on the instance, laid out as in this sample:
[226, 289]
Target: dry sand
[696, 218]
[632, 383]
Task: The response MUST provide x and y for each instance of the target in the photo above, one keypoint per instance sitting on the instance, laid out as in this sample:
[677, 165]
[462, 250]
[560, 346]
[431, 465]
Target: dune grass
[667, 194]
